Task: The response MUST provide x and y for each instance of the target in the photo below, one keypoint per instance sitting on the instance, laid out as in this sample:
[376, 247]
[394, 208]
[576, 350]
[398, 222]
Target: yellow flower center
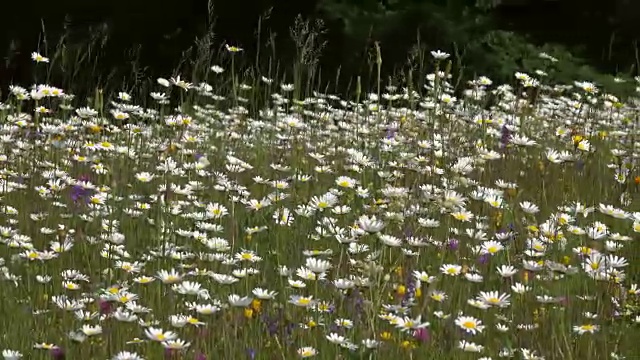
[312, 324]
[469, 325]
[409, 324]
[304, 301]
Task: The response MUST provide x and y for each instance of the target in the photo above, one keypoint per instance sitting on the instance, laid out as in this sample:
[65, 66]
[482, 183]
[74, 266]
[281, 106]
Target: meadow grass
[264, 220]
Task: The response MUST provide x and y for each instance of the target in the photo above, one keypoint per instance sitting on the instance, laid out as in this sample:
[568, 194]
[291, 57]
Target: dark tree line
[153, 35]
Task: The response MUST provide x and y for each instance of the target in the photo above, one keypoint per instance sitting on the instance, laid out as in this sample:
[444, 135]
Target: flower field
[500, 221]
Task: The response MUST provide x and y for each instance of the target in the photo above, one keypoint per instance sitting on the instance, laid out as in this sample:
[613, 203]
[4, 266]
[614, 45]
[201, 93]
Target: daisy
[176, 344]
[529, 208]
[169, 277]
[157, 334]
[491, 247]
[370, 224]
[494, 298]
[506, 271]
[126, 355]
[451, 269]
[587, 328]
[469, 324]
[409, 324]
[263, 294]
[307, 351]
[346, 182]
[463, 215]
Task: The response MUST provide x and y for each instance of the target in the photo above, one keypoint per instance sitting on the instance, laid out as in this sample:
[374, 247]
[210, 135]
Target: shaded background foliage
[103, 43]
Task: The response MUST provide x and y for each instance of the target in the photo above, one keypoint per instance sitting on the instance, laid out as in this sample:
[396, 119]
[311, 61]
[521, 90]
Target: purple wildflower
[106, 307]
[251, 353]
[80, 194]
[390, 133]
[171, 354]
[57, 354]
[421, 335]
[410, 290]
[33, 134]
[271, 324]
[453, 244]
[355, 304]
[505, 137]
[483, 259]
[277, 324]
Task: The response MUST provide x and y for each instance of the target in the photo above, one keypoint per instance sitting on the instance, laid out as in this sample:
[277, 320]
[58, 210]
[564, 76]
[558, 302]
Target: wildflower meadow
[250, 217]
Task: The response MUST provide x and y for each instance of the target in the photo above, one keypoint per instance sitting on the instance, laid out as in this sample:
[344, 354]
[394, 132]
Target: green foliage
[499, 54]
[462, 27]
